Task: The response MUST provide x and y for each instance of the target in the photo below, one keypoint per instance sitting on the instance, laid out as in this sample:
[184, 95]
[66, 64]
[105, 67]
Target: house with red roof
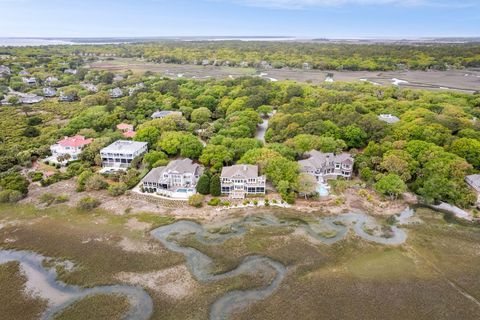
[68, 149]
[127, 130]
[129, 134]
[124, 127]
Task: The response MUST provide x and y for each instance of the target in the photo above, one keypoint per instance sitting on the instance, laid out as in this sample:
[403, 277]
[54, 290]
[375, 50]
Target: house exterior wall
[120, 158]
[238, 187]
[331, 171]
[58, 150]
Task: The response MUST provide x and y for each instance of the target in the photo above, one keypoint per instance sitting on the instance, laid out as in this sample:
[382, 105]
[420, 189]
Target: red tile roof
[124, 126]
[75, 142]
[129, 134]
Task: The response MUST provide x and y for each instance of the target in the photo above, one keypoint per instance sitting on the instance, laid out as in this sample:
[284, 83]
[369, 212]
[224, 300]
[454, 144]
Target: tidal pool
[43, 282]
[327, 230]
[42, 279]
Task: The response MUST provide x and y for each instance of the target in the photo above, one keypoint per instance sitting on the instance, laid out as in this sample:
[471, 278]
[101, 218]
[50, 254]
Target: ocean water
[24, 42]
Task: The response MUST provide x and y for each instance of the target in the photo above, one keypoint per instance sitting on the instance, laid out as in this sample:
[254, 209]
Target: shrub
[10, 196]
[255, 202]
[76, 168]
[214, 202]
[131, 178]
[274, 201]
[62, 198]
[203, 184]
[289, 198]
[117, 189]
[56, 177]
[36, 176]
[47, 198]
[196, 200]
[215, 186]
[246, 202]
[82, 178]
[226, 203]
[95, 182]
[267, 203]
[88, 203]
[14, 181]
[34, 121]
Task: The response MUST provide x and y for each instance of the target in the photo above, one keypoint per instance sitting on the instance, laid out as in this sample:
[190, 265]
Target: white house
[120, 154]
[49, 92]
[66, 97]
[324, 166]
[90, 87]
[30, 81]
[388, 118]
[68, 146]
[25, 98]
[177, 180]
[162, 114]
[116, 93]
[238, 181]
[70, 71]
[118, 77]
[137, 87]
[51, 80]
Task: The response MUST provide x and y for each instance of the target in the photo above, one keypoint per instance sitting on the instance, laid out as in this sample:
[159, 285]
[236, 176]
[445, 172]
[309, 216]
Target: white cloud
[299, 4]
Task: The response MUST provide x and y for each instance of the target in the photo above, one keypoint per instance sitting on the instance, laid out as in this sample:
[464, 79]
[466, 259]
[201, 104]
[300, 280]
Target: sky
[293, 18]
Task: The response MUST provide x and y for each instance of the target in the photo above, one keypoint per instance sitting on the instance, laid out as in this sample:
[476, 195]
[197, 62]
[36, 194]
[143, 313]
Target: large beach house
[178, 179]
[120, 154]
[325, 166]
[238, 181]
[68, 149]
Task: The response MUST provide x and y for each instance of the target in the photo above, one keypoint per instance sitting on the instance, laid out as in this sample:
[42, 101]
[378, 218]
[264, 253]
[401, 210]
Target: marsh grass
[15, 303]
[367, 280]
[96, 307]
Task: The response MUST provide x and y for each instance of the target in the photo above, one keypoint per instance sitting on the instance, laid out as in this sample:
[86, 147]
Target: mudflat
[457, 80]
[271, 266]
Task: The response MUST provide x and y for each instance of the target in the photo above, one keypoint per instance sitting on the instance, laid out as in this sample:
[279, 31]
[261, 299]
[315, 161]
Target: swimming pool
[185, 190]
[322, 189]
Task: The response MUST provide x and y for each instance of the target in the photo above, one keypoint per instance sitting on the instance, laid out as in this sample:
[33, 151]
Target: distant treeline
[353, 57]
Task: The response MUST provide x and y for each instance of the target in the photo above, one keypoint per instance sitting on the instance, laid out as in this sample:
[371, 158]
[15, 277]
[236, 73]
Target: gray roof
[124, 146]
[388, 118]
[184, 166]
[154, 175]
[4, 69]
[49, 91]
[180, 166]
[163, 114]
[240, 170]
[117, 92]
[89, 87]
[319, 159]
[474, 181]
